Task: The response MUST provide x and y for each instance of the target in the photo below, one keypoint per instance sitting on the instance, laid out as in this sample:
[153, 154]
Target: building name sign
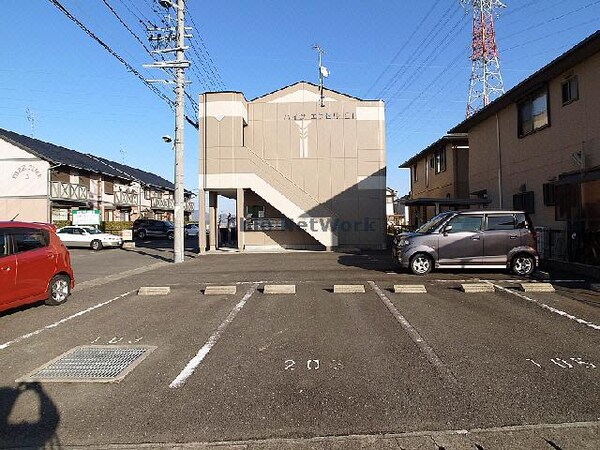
[321, 116]
[86, 217]
[28, 170]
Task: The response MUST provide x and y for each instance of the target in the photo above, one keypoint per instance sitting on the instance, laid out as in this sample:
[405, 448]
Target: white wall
[23, 184]
[21, 173]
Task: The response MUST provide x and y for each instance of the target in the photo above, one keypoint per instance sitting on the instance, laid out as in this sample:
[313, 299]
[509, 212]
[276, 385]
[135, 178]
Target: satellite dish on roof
[324, 71]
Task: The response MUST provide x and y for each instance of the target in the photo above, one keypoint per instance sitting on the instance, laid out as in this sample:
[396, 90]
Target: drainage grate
[92, 363]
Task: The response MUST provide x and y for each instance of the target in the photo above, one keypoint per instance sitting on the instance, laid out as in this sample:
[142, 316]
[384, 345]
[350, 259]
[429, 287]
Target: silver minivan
[491, 239]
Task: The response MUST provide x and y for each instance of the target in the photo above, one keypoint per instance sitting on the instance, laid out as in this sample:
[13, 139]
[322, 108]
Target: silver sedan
[88, 237]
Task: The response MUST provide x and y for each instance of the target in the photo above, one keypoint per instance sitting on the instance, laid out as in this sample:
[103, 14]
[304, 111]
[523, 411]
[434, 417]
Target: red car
[34, 265]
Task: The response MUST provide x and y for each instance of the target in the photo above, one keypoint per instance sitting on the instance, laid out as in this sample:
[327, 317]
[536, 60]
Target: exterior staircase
[277, 189]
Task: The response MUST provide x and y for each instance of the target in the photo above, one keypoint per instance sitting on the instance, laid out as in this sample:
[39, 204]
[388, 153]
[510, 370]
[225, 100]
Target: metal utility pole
[323, 72]
[486, 79]
[163, 37]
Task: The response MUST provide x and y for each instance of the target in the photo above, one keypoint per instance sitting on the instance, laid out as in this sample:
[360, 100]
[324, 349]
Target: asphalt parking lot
[315, 369]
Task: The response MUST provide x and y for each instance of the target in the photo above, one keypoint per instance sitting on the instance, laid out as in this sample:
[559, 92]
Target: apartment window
[432, 163]
[570, 90]
[533, 113]
[109, 187]
[415, 175]
[549, 197]
[147, 194]
[524, 201]
[440, 160]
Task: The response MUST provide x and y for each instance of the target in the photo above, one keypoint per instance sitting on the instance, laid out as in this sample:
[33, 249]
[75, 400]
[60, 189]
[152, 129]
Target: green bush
[116, 227]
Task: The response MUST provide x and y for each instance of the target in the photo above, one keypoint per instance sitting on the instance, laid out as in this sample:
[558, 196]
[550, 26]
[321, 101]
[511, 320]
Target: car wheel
[523, 264]
[421, 264]
[96, 245]
[142, 234]
[58, 290]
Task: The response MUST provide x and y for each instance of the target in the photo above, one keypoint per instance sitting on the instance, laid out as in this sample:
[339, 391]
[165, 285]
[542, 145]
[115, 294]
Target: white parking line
[415, 336]
[189, 369]
[60, 322]
[549, 308]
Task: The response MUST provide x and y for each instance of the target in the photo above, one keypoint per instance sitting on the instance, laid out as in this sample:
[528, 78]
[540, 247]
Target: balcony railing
[168, 204]
[68, 191]
[126, 198]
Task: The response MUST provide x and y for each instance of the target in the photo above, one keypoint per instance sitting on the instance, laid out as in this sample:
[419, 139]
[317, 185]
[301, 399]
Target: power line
[418, 50]
[406, 42]
[436, 50]
[129, 67]
[212, 67]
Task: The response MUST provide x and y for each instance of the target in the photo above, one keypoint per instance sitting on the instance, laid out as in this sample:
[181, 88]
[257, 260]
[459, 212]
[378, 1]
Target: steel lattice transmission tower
[486, 80]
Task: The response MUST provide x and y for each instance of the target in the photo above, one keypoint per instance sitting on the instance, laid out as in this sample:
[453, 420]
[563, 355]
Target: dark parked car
[143, 228]
[470, 239]
[34, 265]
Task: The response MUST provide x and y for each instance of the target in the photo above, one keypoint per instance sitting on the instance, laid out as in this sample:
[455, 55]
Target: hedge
[112, 227]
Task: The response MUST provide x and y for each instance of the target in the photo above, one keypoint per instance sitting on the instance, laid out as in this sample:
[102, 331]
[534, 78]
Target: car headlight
[404, 243]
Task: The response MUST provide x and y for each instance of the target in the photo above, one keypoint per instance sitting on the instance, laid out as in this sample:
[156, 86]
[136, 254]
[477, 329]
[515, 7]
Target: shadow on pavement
[380, 261]
[162, 249]
[38, 433]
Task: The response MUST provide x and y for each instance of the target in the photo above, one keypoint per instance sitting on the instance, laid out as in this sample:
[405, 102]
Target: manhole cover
[92, 363]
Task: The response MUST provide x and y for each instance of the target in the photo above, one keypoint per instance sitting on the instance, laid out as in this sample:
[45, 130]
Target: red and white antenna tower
[486, 80]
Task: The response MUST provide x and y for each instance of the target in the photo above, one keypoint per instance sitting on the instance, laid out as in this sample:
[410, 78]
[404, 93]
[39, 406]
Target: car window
[504, 222]
[465, 223]
[76, 231]
[435, 222]
[523, 221]
[29, 239]
[65, 231]
[4, 247]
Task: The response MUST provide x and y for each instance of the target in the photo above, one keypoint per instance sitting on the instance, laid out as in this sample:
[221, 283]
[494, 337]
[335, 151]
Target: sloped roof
[56, 154]
[456, 137]
[146, 178]
[304, 82]
[572, 57]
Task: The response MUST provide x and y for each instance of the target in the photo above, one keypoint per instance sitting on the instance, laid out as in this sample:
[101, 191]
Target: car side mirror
[447, 229]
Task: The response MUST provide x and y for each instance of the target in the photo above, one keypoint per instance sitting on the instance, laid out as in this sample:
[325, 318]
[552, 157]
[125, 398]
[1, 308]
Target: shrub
[116, 227]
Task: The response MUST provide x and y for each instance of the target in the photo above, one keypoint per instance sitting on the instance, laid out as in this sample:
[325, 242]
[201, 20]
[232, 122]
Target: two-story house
[537, 148]
[306, 166]
[40, 181]
[439, 179]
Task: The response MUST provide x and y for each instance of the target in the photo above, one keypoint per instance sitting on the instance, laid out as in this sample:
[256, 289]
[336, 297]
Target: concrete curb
[410, 289]
[154, 290]
[279, 289]
[348, 289]
[537, 287]
[472, 288]
[220, 290]
[566, 435]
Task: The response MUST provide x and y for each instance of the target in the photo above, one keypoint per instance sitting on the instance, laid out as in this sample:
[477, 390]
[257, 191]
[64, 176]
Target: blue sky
[414, 55]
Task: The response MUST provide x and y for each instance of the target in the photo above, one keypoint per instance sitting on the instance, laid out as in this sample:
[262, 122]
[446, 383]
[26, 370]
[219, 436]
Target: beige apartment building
[306, 166]
[43, 182]
[537, 148]
[439, 179]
